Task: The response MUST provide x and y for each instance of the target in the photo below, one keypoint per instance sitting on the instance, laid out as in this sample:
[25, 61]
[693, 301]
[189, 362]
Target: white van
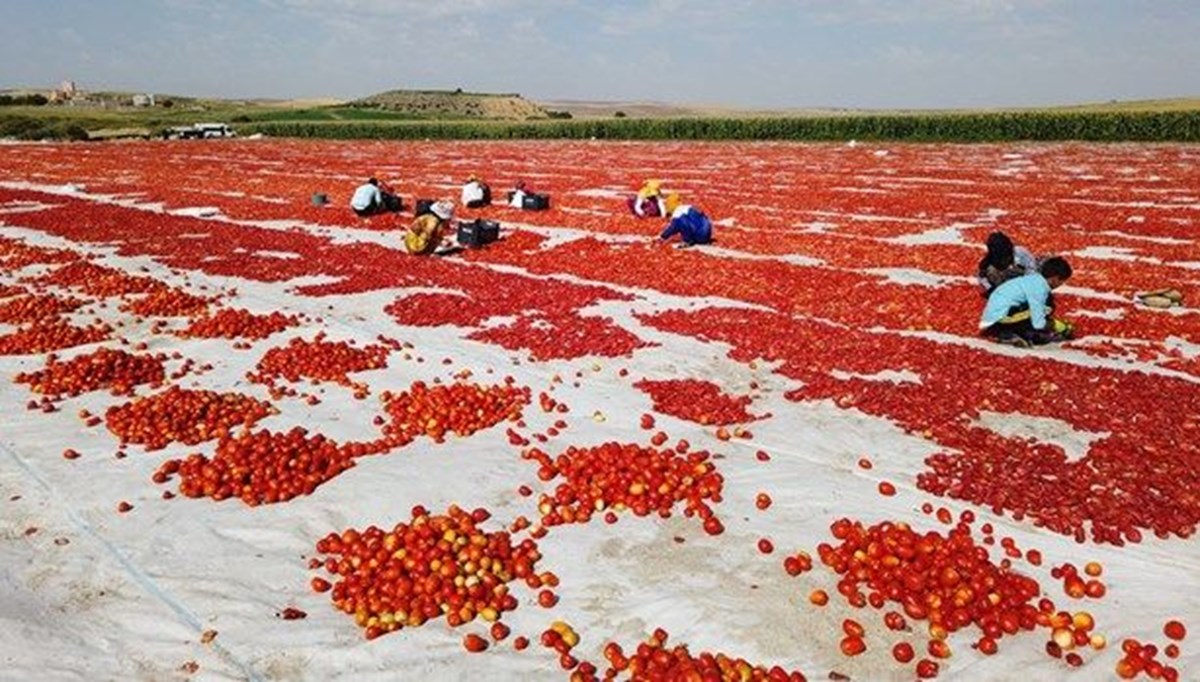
[214, 130]
[199, 130]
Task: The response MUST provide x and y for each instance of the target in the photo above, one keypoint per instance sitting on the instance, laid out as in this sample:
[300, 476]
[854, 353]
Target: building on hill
[68, 92]
[146, 100]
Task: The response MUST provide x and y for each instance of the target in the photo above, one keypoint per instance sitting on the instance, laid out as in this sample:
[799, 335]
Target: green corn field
[1135, 126]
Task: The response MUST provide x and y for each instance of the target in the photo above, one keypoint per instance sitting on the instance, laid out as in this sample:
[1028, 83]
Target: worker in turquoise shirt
[687, 221]
[1019, 311]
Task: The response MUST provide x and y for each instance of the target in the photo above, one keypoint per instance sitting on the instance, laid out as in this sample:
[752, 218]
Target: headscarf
[999, 251]
[650, 189]
[672, 202]
[443, 209]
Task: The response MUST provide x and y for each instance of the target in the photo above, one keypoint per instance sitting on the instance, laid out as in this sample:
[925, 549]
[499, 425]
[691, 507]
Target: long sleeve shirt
[690, 224]
[365, 196]
[1030, 290]
[472, 191]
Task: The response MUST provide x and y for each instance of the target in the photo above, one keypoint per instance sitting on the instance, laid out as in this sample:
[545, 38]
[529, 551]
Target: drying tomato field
[243, 436]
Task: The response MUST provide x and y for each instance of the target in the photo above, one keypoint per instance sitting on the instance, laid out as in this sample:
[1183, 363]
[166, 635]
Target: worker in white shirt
[517, 200]
[372, 198]
[476, 193]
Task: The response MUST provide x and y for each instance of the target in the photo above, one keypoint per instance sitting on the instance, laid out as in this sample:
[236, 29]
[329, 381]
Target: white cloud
[924, 11]
[401, 9]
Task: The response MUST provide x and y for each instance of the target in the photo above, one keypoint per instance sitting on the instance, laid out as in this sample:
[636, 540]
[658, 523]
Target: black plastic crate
[477, 233]
[535, 202]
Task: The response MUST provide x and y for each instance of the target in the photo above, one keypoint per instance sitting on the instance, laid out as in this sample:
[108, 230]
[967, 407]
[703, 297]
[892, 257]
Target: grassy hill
[106, 114]
[452, 104]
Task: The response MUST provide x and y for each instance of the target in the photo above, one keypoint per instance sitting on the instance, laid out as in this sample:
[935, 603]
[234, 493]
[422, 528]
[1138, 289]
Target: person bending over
[476, 193]
[648, 202]
[424, 236]
[1020, 311]
[372, 198]
[687, 221]
[1003, 261]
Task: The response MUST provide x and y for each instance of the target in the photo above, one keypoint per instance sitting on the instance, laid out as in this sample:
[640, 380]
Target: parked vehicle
[199, 131]
[214, 130]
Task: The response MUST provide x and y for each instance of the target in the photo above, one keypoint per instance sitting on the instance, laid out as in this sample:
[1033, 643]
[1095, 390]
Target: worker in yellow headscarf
[648, 203]
[424, 236]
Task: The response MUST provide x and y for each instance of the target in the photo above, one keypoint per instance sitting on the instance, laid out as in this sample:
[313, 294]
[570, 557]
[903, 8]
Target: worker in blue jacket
[689, 222]
[1019, 311]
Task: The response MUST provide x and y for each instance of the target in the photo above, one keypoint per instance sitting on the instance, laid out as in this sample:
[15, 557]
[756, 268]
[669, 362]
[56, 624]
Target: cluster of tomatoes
[1076, 586]
[613, 477]
[51, 335]
[1141, 658]
[319, 360]
[16, 255]
[99, 280]
[563, 335]
[103, 368]
[460, 408]
[433, 310]
[654, 660]
[785, 287]
[184, 416]
[168, 302]
[947, 580]
[37, 307]
[40, 316]
[698, 401]
[261, 467]
[431, 566]
[203, 245]
[1068, 632]
[237, 323]
[562, 638]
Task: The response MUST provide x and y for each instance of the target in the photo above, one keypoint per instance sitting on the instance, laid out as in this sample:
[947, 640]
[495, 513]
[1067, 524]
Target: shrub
[75, 132]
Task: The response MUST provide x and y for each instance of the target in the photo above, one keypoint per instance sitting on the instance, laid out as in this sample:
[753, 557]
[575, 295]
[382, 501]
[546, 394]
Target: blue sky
[746, 53]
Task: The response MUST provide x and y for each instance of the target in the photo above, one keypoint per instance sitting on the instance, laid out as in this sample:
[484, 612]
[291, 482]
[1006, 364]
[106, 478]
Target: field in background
[703, 440]
[449, 115]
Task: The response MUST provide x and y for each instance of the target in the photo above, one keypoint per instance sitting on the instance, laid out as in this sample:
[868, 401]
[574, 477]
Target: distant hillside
[452, 104]
[633, 109]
